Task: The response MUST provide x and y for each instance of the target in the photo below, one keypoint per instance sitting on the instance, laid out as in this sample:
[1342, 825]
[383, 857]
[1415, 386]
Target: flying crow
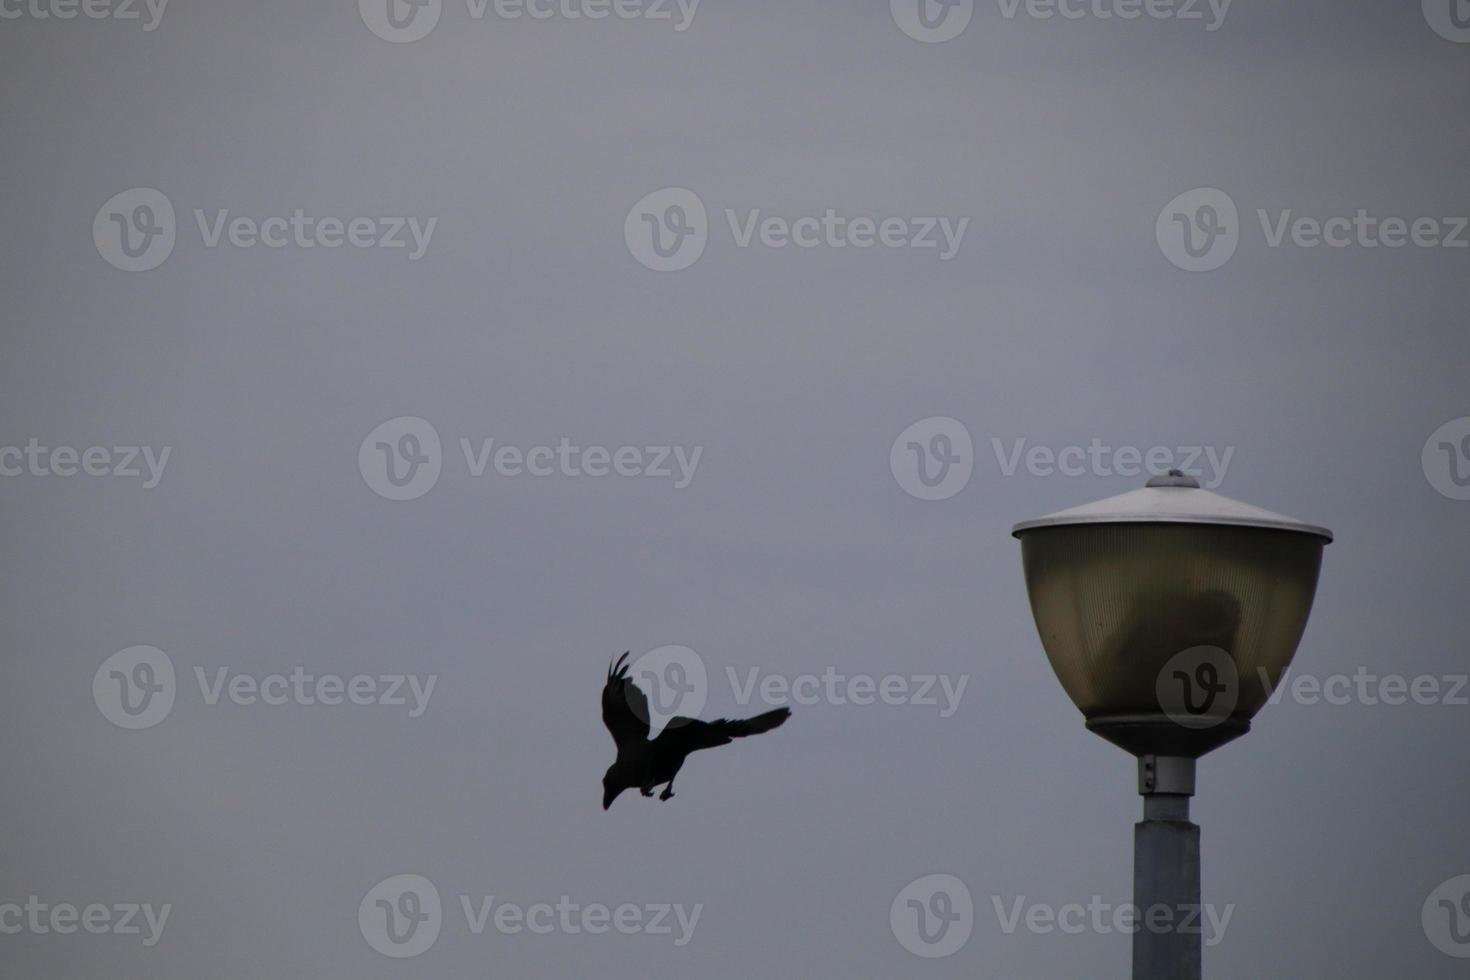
[645, 762]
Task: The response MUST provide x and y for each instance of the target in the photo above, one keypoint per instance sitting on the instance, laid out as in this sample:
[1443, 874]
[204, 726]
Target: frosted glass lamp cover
[1169, 613]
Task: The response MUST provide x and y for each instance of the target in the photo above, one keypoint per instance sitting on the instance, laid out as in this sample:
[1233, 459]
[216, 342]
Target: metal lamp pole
[1166, 870]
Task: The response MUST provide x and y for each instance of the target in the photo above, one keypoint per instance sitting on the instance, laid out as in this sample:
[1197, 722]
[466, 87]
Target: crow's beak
[608, 795]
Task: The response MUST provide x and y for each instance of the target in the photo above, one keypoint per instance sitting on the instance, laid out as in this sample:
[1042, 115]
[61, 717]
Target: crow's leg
[673, 772]
[647, 781]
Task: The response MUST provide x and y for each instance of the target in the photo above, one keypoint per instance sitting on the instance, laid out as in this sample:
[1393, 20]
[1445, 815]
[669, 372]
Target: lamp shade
[1169, 613]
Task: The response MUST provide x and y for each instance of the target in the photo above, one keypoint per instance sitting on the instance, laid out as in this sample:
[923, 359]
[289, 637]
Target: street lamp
[1168, 614]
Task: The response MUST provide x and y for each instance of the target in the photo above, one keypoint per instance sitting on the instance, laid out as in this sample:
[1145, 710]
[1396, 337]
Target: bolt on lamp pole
[1168, 614]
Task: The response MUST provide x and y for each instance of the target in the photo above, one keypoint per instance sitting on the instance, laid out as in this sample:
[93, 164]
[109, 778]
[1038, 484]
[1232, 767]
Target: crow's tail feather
[760, 723]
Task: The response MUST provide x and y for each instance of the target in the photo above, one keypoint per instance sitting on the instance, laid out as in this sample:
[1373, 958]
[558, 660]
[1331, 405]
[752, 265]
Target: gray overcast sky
[794, 548]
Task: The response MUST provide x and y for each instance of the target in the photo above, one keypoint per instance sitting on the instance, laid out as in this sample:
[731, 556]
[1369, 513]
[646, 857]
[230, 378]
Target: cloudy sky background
[794, 549]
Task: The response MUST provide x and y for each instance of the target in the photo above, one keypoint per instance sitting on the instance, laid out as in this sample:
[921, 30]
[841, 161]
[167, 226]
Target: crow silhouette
[645, 762]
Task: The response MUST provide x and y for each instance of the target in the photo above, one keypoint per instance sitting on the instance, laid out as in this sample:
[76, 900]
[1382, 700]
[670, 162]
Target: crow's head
[611, 787]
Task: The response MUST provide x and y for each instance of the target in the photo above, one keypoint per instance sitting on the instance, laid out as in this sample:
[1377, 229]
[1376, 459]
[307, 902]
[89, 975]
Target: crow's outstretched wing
[624, 706]
[690, 734]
